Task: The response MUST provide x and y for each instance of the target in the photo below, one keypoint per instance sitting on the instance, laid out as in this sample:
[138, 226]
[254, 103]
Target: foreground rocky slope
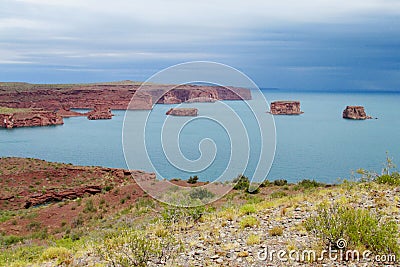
[97, 228]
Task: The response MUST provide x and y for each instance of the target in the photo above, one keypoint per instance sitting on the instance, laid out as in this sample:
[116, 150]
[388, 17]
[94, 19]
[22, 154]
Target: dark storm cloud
[290, 44]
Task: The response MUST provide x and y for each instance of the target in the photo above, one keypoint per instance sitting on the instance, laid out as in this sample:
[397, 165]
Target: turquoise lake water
[318, 144]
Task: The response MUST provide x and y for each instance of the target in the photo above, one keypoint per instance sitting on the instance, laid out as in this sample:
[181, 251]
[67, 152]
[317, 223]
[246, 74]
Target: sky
[288, 44]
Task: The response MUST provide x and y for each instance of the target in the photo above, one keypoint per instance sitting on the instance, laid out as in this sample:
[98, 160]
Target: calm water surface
[318, 144]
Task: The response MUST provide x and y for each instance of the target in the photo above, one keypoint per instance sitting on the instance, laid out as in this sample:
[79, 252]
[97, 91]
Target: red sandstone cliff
[35, 117]
[115, 96]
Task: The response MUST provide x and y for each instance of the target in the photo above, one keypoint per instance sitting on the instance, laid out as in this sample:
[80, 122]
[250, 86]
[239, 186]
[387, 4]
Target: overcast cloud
[323, 44]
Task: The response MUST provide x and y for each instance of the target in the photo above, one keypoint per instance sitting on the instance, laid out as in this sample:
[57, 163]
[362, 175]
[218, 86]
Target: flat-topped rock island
[355, 113]
[182, 112]
[286, 108]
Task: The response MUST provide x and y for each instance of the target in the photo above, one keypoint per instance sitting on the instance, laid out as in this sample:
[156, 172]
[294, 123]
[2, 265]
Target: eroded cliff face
[35, 117]
[355, 113]
[285, 108]
[182, 112]
[115, 96]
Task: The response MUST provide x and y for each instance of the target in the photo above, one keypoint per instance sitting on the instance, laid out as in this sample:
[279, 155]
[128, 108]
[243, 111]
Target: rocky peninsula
[182, 112]
[355, 113]
[12, 118]
[286, 108]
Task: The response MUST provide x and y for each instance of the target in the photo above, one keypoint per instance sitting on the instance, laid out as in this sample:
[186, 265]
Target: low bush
[275, 231]
[248, 209]
[390, 179]
[130, 247]
[62, 255]
[176, 214]
[228, 214]
[278, 194]
[193, 180]
[241, 183]
[201, 193]
[307, 184]
[280, 182]
[359, 227]
[89, 207]
[7, 240]
[249, 221]
[253, 239]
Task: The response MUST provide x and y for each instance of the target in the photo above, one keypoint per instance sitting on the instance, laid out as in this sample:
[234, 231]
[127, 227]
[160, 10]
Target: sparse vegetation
[390, 179]
[249, 221]
[104, 232]
[201, 193]
[130, 247]
[276, 231]
[359, 227]
[307, 184]
[280, 182]
[253, 239]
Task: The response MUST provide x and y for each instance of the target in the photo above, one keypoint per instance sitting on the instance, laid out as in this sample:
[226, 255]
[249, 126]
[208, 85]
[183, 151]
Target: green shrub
[276, 231]
[201, 193]
[248, 209]
[5, 215]
[77, 221]
[7, 240]
[89, 207]
[176, 214]
[359, 227]
[193, 180]
[242, 183]
[61, 254]
[130, 247]
[278, 194]
[249, 221]
[391, 179]
[307, 184]
[253, 239]
[280, 182]
[33, 226]
[266, 183]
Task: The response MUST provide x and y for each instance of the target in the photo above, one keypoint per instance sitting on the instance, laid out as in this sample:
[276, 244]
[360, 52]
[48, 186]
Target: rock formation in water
[100, 113]
[285, 108]
[182, 112]
[28, 118]
[355, 113]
